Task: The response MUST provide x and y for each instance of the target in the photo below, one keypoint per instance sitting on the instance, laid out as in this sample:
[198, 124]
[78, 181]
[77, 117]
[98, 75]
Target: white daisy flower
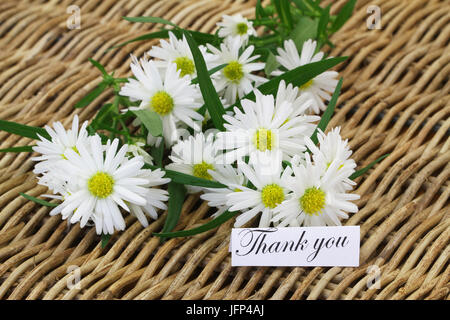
[236, 79]
[155, 197]
[154, 141]
[104, 180]
[270, 192]
[61, 140]
[320, 87]
[136, 149]
[195, 156]
[236, 26]
[54, 180]
[173, 98]
[178, 52]
[333, 149]
[263, 129]
[300, 103]
[231, 178]
[314, 198]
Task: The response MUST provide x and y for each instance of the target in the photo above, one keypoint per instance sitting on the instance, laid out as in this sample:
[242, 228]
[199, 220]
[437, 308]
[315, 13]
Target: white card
[295, 246]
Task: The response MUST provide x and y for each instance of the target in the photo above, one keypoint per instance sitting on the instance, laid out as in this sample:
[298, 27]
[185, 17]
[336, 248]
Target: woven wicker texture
[395, 99]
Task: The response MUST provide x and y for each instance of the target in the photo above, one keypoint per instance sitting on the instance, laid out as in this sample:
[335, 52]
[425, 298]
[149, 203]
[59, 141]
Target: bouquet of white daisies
[234, 116]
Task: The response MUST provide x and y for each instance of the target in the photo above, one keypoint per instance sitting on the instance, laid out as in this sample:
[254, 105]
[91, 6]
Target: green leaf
[192, 180]
[308, 6]
[297, 77]
[259, 10]
[301, 5]
[38, 201]
[102, 116]
[306, 28]
[151, 121]
[150, 20]
[285, 14]
[343, 15]
[148, 36]
[157, 153]
[227, 215]
[99, 66]
[322, 27]
[212, 101]
[326, 117]
[105, 240]
[300, 75]
[177, 193]
[18, 149]
[200, 37]
[23, 130]
[276, 4]
[360, 172]
[87, 99]
[314, 4]
[271, 64]
[211, 72]
[184, 178]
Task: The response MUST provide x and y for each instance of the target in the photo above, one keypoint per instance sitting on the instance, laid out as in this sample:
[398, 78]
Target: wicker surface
[395, 100]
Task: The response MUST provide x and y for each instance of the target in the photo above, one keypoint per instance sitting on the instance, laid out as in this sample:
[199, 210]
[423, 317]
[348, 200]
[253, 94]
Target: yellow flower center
[242, 28]
[186, 66]
[233, 71]
[200, 170]
[162, 103]
[263, 139]
[306, 85]
[101, 184]
[272, 195]
[313, 201]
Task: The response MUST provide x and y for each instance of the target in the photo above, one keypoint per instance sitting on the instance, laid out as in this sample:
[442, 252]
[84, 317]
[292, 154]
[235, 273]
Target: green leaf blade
[271, 64]
[212, 100]
[297, 76]
[216, 222]
[285, 14]
[177, 193]
[343, 15]
[148, 36]
[105, 240]
[360, 172]
[91, 96]
[306, 28]
[38, 201]
[18, 149]
[326, 117]
[200, 37]
[210, 72]
[183, 178]
[23, 130]
[157, 153]
[99, 66]
[150, 20]
[151, 121]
